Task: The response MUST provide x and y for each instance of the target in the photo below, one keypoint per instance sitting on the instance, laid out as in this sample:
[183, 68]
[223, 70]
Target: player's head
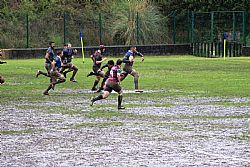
[102, 48]
[111, 63]
[133, 48]
[59, 53]
[52, 44]
[65, 45]
[119, 62]
[69, 45]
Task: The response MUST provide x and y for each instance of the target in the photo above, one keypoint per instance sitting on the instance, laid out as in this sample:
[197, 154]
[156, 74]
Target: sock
[44, 73]
[97, 98]
[59, 81]
[120, 100]
[136, 83]
[47, 90]
[95, 84]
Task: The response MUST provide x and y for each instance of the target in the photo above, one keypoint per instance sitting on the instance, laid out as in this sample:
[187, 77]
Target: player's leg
[47, 67]
[52, 79]
[116, 87]
[124, 74]
[60, 78]
[64, 67]
[102, 84]
[75, 69]
[135, 74]
[96, 83]
[126, 70]
[105, 94]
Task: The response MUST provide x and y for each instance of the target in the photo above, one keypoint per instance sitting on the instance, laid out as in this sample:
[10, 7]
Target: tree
[123, 24]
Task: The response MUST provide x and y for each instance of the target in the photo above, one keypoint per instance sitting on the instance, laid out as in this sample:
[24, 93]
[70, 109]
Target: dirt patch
[190, 132]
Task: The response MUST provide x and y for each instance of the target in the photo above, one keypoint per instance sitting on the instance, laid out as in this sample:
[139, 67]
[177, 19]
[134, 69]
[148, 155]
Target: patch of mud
[183, 134]
[87, 91]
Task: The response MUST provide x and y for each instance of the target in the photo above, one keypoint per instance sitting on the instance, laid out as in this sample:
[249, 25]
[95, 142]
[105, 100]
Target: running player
[97, 59]
[1, 62]
[49, 57]
[113, 83]
[128, 68]
[56, 76]
[67, 61]
[109, 65]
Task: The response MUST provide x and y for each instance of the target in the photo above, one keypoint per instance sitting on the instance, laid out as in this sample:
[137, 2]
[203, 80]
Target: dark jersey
[114, 72]
[97, 56]
[108, 72]
[67, 55]
[52, 55]
[128, 54]
[58, 61]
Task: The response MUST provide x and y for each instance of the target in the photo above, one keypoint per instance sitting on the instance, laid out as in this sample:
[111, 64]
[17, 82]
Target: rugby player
[109, 65]
[56, 76]
[97, 59]
[2, 62]
[67, 61]
[129, 59]
[49, 57]
[113, 83]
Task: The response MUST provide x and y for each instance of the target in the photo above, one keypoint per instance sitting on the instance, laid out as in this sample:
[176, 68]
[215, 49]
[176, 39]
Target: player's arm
[103, 59]
[53, 65]
[140, 54]
[126, 58]
[92, 58]
[74, 51]
[105, 66]
[47, 56]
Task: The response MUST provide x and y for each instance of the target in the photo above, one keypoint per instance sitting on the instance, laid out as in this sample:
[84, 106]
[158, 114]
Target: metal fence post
[244, 28]
[189, 26]
[137, 28]
[174, 27]
[192, 27]
[27, 30]
[233, 26]
[65, 28]
[100, 28]
[212, 28]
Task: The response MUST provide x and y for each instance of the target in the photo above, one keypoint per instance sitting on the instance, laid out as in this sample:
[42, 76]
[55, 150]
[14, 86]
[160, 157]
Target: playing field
[194, 112]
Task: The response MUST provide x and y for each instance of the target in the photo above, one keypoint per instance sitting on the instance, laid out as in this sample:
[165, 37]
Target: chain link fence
[29, 31]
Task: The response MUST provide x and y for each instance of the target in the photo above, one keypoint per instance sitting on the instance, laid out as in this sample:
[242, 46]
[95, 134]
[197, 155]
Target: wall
[246, 51]
[115, 51]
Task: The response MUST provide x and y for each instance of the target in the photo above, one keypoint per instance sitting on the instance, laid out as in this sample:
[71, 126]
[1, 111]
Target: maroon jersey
[97, 56]
[114, 73]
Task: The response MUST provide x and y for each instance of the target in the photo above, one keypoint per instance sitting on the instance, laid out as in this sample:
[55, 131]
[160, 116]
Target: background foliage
[118, 20]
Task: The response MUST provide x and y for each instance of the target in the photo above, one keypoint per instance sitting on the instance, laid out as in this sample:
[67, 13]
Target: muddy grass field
[194, 112]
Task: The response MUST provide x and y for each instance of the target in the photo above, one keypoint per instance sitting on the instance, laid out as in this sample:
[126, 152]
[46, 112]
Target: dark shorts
[107, 74]
[96, 69]
[110, 86]
[69, 66]
[56, 75]
[128, 68]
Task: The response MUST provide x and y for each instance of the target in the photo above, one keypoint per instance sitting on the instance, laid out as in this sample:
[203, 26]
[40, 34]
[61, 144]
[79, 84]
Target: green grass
[16, 132]
[98, 125]
[218, 117]
[104, 114]
[178, 75]
[229, 104]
